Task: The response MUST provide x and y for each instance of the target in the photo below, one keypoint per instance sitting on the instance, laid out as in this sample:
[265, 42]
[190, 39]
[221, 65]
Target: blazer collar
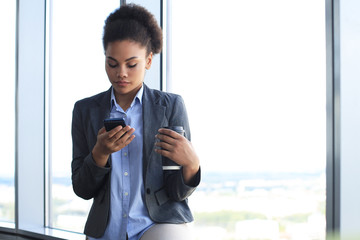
[104, 100]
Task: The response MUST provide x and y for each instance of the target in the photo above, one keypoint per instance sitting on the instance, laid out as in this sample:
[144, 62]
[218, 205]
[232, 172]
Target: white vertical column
[30, 115]
[350, 117]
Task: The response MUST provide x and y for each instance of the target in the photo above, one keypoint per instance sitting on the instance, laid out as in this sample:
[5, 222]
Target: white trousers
[168, 232]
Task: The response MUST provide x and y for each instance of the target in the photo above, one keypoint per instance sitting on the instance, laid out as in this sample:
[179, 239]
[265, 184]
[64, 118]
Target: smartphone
[111, 123]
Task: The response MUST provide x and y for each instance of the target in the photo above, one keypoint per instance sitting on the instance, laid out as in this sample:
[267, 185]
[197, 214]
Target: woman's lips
[122, 83]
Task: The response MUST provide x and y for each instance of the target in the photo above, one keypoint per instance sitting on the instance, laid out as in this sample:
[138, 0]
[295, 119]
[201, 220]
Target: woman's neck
[125, 100]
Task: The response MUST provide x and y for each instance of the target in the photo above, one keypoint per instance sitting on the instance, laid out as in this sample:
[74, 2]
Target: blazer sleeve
[87, 178]
[174, 181]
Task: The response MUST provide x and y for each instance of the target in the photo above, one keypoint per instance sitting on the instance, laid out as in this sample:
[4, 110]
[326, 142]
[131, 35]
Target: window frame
[332, 117]
[31, 180]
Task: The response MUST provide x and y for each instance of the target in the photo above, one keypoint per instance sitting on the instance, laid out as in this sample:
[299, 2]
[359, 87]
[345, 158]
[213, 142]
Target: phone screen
[111, 123]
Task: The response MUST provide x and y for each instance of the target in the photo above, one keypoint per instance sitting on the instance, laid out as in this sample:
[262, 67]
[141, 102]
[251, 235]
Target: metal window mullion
[333, 118]
[16, 114]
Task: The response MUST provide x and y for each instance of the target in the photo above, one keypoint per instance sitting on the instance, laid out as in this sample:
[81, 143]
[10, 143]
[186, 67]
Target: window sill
[8, 232]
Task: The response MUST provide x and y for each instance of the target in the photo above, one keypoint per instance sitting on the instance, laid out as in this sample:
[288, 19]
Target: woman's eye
[132, 66]
[112, 65]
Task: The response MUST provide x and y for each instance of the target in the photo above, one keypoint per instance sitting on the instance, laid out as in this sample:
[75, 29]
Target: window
[76, 71]
[309, 16]
[7, 120]
[254, 73]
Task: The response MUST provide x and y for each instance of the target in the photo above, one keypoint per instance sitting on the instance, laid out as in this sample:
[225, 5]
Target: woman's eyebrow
[129, 59]
[112, 58]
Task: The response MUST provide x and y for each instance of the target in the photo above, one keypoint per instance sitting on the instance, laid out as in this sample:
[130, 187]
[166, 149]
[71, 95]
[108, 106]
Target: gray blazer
[165, 192]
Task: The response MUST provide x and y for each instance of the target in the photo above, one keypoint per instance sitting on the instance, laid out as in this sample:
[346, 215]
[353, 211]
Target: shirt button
[125, 215]
[126, 173]
[125, 154]
[126, 193]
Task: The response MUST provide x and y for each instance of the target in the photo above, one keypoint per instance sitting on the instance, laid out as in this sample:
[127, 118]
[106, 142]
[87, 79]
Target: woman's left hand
[180, 150]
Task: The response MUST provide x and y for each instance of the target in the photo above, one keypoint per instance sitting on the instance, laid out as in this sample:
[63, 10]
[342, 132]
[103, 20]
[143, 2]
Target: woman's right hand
[110, 142]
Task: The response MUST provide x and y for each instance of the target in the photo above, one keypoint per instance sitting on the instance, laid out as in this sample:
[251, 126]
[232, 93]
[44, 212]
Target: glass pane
[254, 73]
[76, 71]
[7, 104]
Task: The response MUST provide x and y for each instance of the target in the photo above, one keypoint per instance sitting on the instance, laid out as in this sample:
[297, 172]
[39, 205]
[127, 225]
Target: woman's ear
[149, 61]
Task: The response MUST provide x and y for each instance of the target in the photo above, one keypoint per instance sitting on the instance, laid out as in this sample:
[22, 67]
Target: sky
[253, 78]
[7, 87]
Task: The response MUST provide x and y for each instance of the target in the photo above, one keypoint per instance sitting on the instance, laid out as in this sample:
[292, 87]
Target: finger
[129, 140]
[169, 132]
[121, 143]
[128, 133]
[166, 138]
[102, 130]
[164, 146]
[123, 135]
[164, 153]
[114, 131]
[124, 141]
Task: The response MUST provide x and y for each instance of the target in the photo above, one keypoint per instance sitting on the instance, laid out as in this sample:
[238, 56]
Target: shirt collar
[138, 97]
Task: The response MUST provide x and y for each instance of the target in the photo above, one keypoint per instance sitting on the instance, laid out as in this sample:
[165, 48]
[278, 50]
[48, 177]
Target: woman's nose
[121, 73]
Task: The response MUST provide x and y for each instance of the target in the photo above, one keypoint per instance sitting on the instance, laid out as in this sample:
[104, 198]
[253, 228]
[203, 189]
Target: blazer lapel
[153, 119]
[102, 111]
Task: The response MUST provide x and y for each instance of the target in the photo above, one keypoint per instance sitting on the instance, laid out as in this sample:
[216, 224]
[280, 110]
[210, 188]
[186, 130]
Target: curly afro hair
[135, 23]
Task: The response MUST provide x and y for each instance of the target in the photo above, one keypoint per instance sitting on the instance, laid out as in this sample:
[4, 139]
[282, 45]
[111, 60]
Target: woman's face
[125, 65]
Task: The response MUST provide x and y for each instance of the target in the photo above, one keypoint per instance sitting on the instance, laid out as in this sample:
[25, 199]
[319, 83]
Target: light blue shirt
[128, 213]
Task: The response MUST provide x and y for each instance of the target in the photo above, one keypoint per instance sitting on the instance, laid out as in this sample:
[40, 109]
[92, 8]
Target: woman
[121, 169]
